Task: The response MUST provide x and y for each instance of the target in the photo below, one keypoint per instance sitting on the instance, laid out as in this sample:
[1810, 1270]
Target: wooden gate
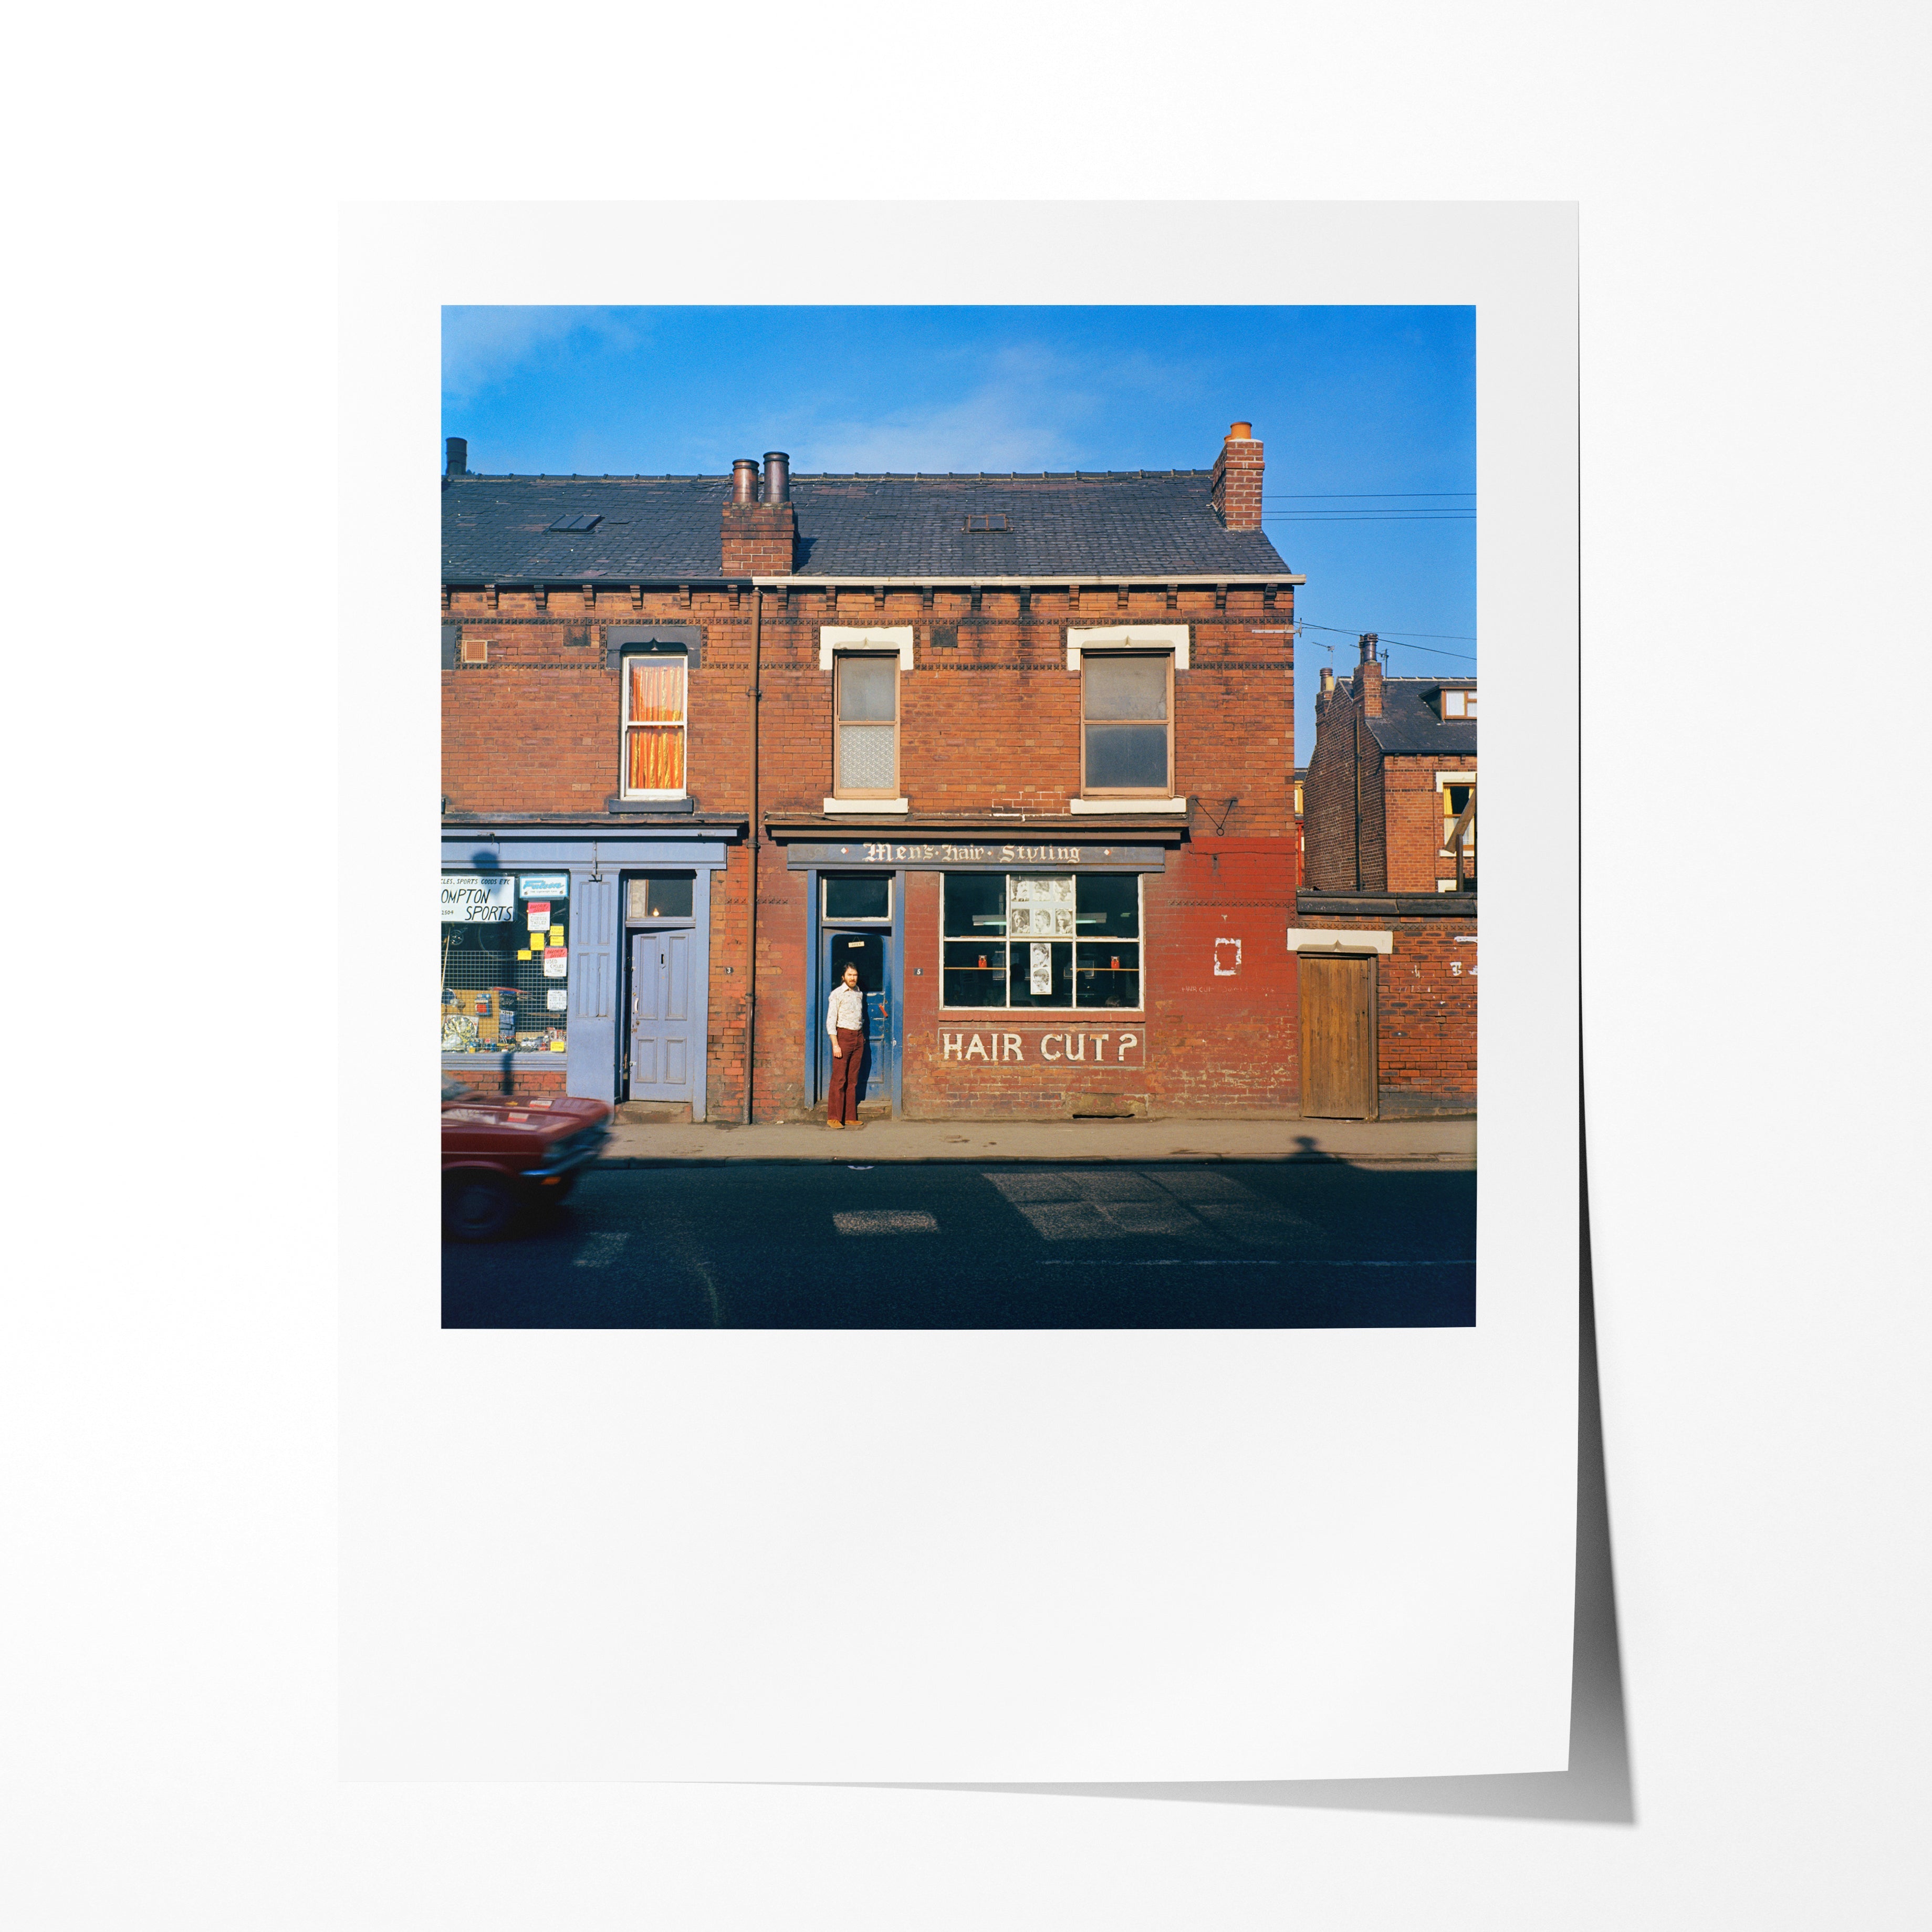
[1338, 1037]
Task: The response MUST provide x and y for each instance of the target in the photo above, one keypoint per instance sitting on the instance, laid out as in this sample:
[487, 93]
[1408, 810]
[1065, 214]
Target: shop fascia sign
[935, 857]
[479, 898]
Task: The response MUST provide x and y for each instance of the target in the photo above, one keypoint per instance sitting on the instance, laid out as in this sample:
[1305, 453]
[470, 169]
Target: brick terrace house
[1385, 923]
[1019, 747]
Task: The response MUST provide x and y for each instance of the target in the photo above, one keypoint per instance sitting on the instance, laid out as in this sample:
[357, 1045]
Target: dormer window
[1459, 704]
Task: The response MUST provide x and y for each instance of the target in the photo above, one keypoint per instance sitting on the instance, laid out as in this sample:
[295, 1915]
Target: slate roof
[496, 529]
[1408, 724]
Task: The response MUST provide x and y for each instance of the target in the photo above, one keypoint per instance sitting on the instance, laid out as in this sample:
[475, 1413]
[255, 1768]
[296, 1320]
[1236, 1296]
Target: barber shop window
[1126, 708]
[856, 897]
[866, 706]
[1035, 939]
[654, 727]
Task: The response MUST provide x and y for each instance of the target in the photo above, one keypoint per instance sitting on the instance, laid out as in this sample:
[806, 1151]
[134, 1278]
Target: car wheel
[478, 1206]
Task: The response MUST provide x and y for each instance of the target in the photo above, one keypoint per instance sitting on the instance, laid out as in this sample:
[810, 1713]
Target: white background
[1754, 510]
[1288, 1553]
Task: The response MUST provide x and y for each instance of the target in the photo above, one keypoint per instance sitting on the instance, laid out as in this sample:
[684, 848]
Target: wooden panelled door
[662, 1048]
[1338, 1037]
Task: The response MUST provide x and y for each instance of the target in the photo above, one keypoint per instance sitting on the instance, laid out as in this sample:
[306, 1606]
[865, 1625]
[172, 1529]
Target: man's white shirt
[847, 1010]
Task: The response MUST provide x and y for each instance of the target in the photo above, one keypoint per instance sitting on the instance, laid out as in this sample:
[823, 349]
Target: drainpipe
[1358, 801]
[751, 887]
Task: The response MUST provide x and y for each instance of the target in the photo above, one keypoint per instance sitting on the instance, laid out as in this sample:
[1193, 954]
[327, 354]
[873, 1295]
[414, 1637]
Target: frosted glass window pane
[1124, 687]
[867, 687]
[865, 757]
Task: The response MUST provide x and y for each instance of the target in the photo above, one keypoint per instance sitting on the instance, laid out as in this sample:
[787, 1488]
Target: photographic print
[899, 682]
[959, 817]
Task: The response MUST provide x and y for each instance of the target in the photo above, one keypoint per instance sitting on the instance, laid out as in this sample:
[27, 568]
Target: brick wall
[1330, 803]
[527, 1083]
[989, 722]
[1426, 998]
[1218, 989]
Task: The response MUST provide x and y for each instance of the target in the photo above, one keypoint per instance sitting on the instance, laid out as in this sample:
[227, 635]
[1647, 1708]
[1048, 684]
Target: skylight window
[996, 522]
[584, 520]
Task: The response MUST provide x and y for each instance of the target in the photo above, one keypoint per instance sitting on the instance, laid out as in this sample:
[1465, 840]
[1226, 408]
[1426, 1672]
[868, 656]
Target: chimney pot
[1241, 432]
[778, 477]
[745, 480]
[456, 456]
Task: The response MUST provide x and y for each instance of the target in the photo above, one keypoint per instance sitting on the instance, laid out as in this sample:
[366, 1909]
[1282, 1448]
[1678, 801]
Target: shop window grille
[493, 1000]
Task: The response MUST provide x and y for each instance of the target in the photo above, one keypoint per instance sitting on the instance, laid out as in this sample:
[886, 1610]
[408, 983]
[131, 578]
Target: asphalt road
[918, 1245]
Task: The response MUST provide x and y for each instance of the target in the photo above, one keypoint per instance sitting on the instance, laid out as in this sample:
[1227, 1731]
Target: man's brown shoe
[855, 1125]
[835, 1123]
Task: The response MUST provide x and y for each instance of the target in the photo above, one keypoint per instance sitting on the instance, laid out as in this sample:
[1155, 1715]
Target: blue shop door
[663, 1052]
[870, 952]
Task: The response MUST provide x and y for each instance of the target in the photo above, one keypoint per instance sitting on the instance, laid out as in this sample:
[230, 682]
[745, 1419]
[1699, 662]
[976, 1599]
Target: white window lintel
[1305, 939]
[1126, 637]
[865, 638]
[1100, 805]
[864, 804]
[1454, 778]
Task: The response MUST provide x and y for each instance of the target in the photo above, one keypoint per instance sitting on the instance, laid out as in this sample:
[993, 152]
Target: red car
[501, 1157]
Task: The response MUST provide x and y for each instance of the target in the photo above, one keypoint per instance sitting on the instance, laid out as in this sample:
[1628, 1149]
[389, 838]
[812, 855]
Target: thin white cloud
[481, 346]
[1031, 410]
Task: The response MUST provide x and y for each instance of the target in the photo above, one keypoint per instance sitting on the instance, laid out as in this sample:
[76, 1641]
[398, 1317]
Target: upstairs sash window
[867, 704]
[654, 727]
[1127, 744]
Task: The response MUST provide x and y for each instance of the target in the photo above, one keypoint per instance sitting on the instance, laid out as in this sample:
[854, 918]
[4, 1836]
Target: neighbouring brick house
[1385, 923]
[1019, 747]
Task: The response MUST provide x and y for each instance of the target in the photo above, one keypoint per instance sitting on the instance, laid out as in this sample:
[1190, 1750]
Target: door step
[635, 1112]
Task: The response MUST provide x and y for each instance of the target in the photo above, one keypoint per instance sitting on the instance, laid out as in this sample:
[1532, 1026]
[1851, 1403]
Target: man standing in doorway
[845, 1022]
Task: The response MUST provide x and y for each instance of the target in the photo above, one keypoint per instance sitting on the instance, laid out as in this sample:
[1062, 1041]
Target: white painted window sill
[867, 805]
[1177, 805]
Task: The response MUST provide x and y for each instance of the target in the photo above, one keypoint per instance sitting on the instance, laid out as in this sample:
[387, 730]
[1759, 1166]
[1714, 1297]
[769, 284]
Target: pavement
[1446, 1142]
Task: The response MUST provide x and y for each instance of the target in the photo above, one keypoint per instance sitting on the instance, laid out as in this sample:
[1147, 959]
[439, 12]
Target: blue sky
[1368, 415]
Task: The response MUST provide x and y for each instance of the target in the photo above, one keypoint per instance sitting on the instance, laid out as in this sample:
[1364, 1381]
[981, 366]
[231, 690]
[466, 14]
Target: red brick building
[1385, 924]
[1021, 747]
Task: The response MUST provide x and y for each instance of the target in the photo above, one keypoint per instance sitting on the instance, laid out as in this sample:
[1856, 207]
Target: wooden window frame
[1467, 694]
[682, 659]
[1136, 1015]
[829, 920]
[1113, 656]
[839, 660]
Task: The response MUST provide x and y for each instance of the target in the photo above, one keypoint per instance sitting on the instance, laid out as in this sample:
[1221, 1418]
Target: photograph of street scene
[958, 818]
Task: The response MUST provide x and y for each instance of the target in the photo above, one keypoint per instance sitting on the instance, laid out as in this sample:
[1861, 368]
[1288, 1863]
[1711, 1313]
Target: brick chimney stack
[760, 534]
[1369, 677]
[1236, 490]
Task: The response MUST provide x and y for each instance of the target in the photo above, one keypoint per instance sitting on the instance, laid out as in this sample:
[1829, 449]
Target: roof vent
[584, 520]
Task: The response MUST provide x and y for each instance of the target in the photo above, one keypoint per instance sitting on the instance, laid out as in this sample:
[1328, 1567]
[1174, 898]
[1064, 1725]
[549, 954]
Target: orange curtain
[657, 693]
[657, 759]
